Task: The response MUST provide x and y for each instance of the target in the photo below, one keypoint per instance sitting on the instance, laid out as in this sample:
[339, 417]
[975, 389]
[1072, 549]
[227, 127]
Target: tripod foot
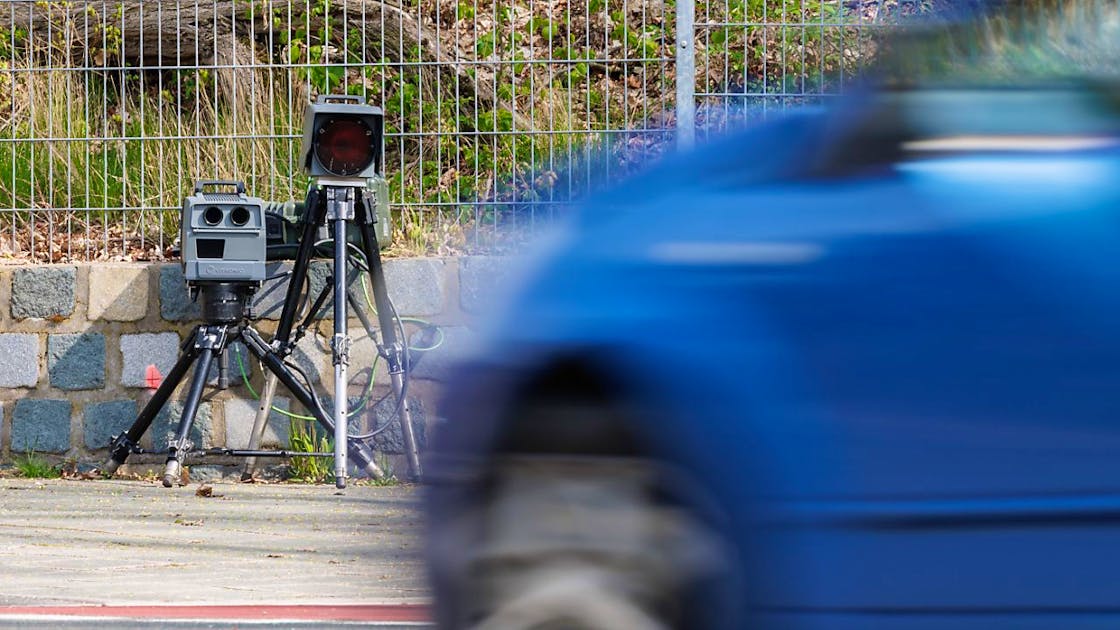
[110, 468]
[172, 473]
[340, 482]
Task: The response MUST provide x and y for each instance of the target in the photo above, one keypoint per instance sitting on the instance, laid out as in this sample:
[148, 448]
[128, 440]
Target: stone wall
[76, 342]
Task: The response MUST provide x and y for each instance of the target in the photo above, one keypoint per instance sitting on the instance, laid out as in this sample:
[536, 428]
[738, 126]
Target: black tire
[570, 525]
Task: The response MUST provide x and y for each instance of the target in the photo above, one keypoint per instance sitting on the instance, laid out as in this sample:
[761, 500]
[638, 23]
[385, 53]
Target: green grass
[33, 466]
[303, 438]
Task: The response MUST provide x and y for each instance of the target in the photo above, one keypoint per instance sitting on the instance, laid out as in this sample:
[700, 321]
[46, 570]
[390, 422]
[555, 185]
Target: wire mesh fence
[498, 112]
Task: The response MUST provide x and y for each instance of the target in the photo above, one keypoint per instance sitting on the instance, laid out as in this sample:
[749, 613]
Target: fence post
[686, 74]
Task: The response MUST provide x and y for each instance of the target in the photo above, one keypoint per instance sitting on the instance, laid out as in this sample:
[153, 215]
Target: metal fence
[498, 112]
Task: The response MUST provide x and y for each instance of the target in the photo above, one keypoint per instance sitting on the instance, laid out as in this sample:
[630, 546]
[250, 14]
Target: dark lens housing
[345, 146]
[212, 215]
[239, 216]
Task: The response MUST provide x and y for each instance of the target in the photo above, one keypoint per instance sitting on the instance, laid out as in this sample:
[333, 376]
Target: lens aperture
[212, 215]
[239, 216]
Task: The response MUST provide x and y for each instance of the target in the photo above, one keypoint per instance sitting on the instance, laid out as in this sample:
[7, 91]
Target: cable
[284, 412]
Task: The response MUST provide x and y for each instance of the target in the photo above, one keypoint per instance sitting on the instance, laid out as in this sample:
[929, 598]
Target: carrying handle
[202, 184]
[340, 98]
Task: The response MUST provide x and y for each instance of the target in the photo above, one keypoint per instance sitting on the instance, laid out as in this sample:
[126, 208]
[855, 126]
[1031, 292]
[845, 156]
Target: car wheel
[573, 527]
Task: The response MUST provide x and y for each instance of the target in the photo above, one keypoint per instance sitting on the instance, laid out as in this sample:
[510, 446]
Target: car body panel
[901, 385]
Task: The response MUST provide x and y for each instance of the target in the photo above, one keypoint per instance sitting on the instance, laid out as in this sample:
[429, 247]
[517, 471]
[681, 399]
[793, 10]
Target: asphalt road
[302, 551]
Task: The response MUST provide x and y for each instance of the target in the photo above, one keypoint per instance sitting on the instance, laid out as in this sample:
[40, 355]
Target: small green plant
[31, 465]
[302, 438]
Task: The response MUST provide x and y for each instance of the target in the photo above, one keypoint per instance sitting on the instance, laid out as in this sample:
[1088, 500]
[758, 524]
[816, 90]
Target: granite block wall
[78, 344]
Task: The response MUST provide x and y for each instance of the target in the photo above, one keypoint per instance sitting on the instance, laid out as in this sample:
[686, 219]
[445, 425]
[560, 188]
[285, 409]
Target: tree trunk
[230, 36]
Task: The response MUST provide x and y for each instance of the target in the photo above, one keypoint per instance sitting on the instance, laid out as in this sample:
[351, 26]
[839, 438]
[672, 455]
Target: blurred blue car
[855, 368]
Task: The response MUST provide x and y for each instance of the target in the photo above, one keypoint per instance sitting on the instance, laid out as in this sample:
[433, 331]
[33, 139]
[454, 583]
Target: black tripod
[332, 203]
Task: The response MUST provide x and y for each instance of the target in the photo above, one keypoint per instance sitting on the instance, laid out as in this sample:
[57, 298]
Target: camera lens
[212, 215]
[239, 216]
[344, 146]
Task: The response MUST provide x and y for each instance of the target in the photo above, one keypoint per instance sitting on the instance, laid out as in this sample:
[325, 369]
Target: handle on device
[201, 184]
[340, 98]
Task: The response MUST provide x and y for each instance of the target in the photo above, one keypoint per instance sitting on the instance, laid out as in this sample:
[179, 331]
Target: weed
[303, 438]
[31, 465]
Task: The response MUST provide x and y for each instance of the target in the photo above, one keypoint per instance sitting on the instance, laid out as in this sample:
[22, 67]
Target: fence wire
[498, 112]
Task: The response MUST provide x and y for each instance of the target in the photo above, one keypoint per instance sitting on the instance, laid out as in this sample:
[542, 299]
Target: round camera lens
[239, 216]
[344, 146]
[212, 215]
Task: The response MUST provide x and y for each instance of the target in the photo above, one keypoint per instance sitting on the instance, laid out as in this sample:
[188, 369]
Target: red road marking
[396, 613]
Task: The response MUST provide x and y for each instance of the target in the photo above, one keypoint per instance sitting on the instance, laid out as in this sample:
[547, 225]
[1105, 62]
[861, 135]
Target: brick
[76, 361]
[478, 278]
[19, 360]
[118, 293]
[268, 301]
[458, 342]
[103, 420]
[141, 350]
[174, 302]
[167, 422]
[390, 440]
[415, 285]
[240, 414]
[43, 292]
[42, 426]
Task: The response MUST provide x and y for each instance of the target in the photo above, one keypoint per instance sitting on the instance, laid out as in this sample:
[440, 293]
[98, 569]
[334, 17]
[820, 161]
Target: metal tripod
[335, 204]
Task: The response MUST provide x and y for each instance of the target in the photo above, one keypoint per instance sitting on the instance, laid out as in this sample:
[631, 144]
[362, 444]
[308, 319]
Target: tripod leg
[122, 444]
[311, 218]
[395, 345]
[259, 425]
[359, 453]
[172, 471]
[340, 355]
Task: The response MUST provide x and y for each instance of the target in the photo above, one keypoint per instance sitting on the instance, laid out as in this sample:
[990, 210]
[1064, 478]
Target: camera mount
[341, 151]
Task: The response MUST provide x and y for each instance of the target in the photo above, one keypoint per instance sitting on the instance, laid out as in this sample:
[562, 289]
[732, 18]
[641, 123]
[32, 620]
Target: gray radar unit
[223, 234]
[342, 137]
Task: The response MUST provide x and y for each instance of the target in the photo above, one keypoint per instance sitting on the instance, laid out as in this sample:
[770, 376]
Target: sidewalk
[137, 544]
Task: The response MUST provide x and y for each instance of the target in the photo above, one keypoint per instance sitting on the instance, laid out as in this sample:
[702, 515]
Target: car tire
[579, 537]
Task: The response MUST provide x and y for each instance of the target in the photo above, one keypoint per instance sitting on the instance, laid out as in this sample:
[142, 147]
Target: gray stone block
[478, 278]
[144, 349]
[42, 426]
[19, 360]
[390, 440]
[209, 473]
[167, 423]
[268, 302]
[118, 292]
[175, 303]
[105, 419]
[240, 414]
[269, 299]
[44, 292]
[76, 361]
[458, 342]
[415, 285]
